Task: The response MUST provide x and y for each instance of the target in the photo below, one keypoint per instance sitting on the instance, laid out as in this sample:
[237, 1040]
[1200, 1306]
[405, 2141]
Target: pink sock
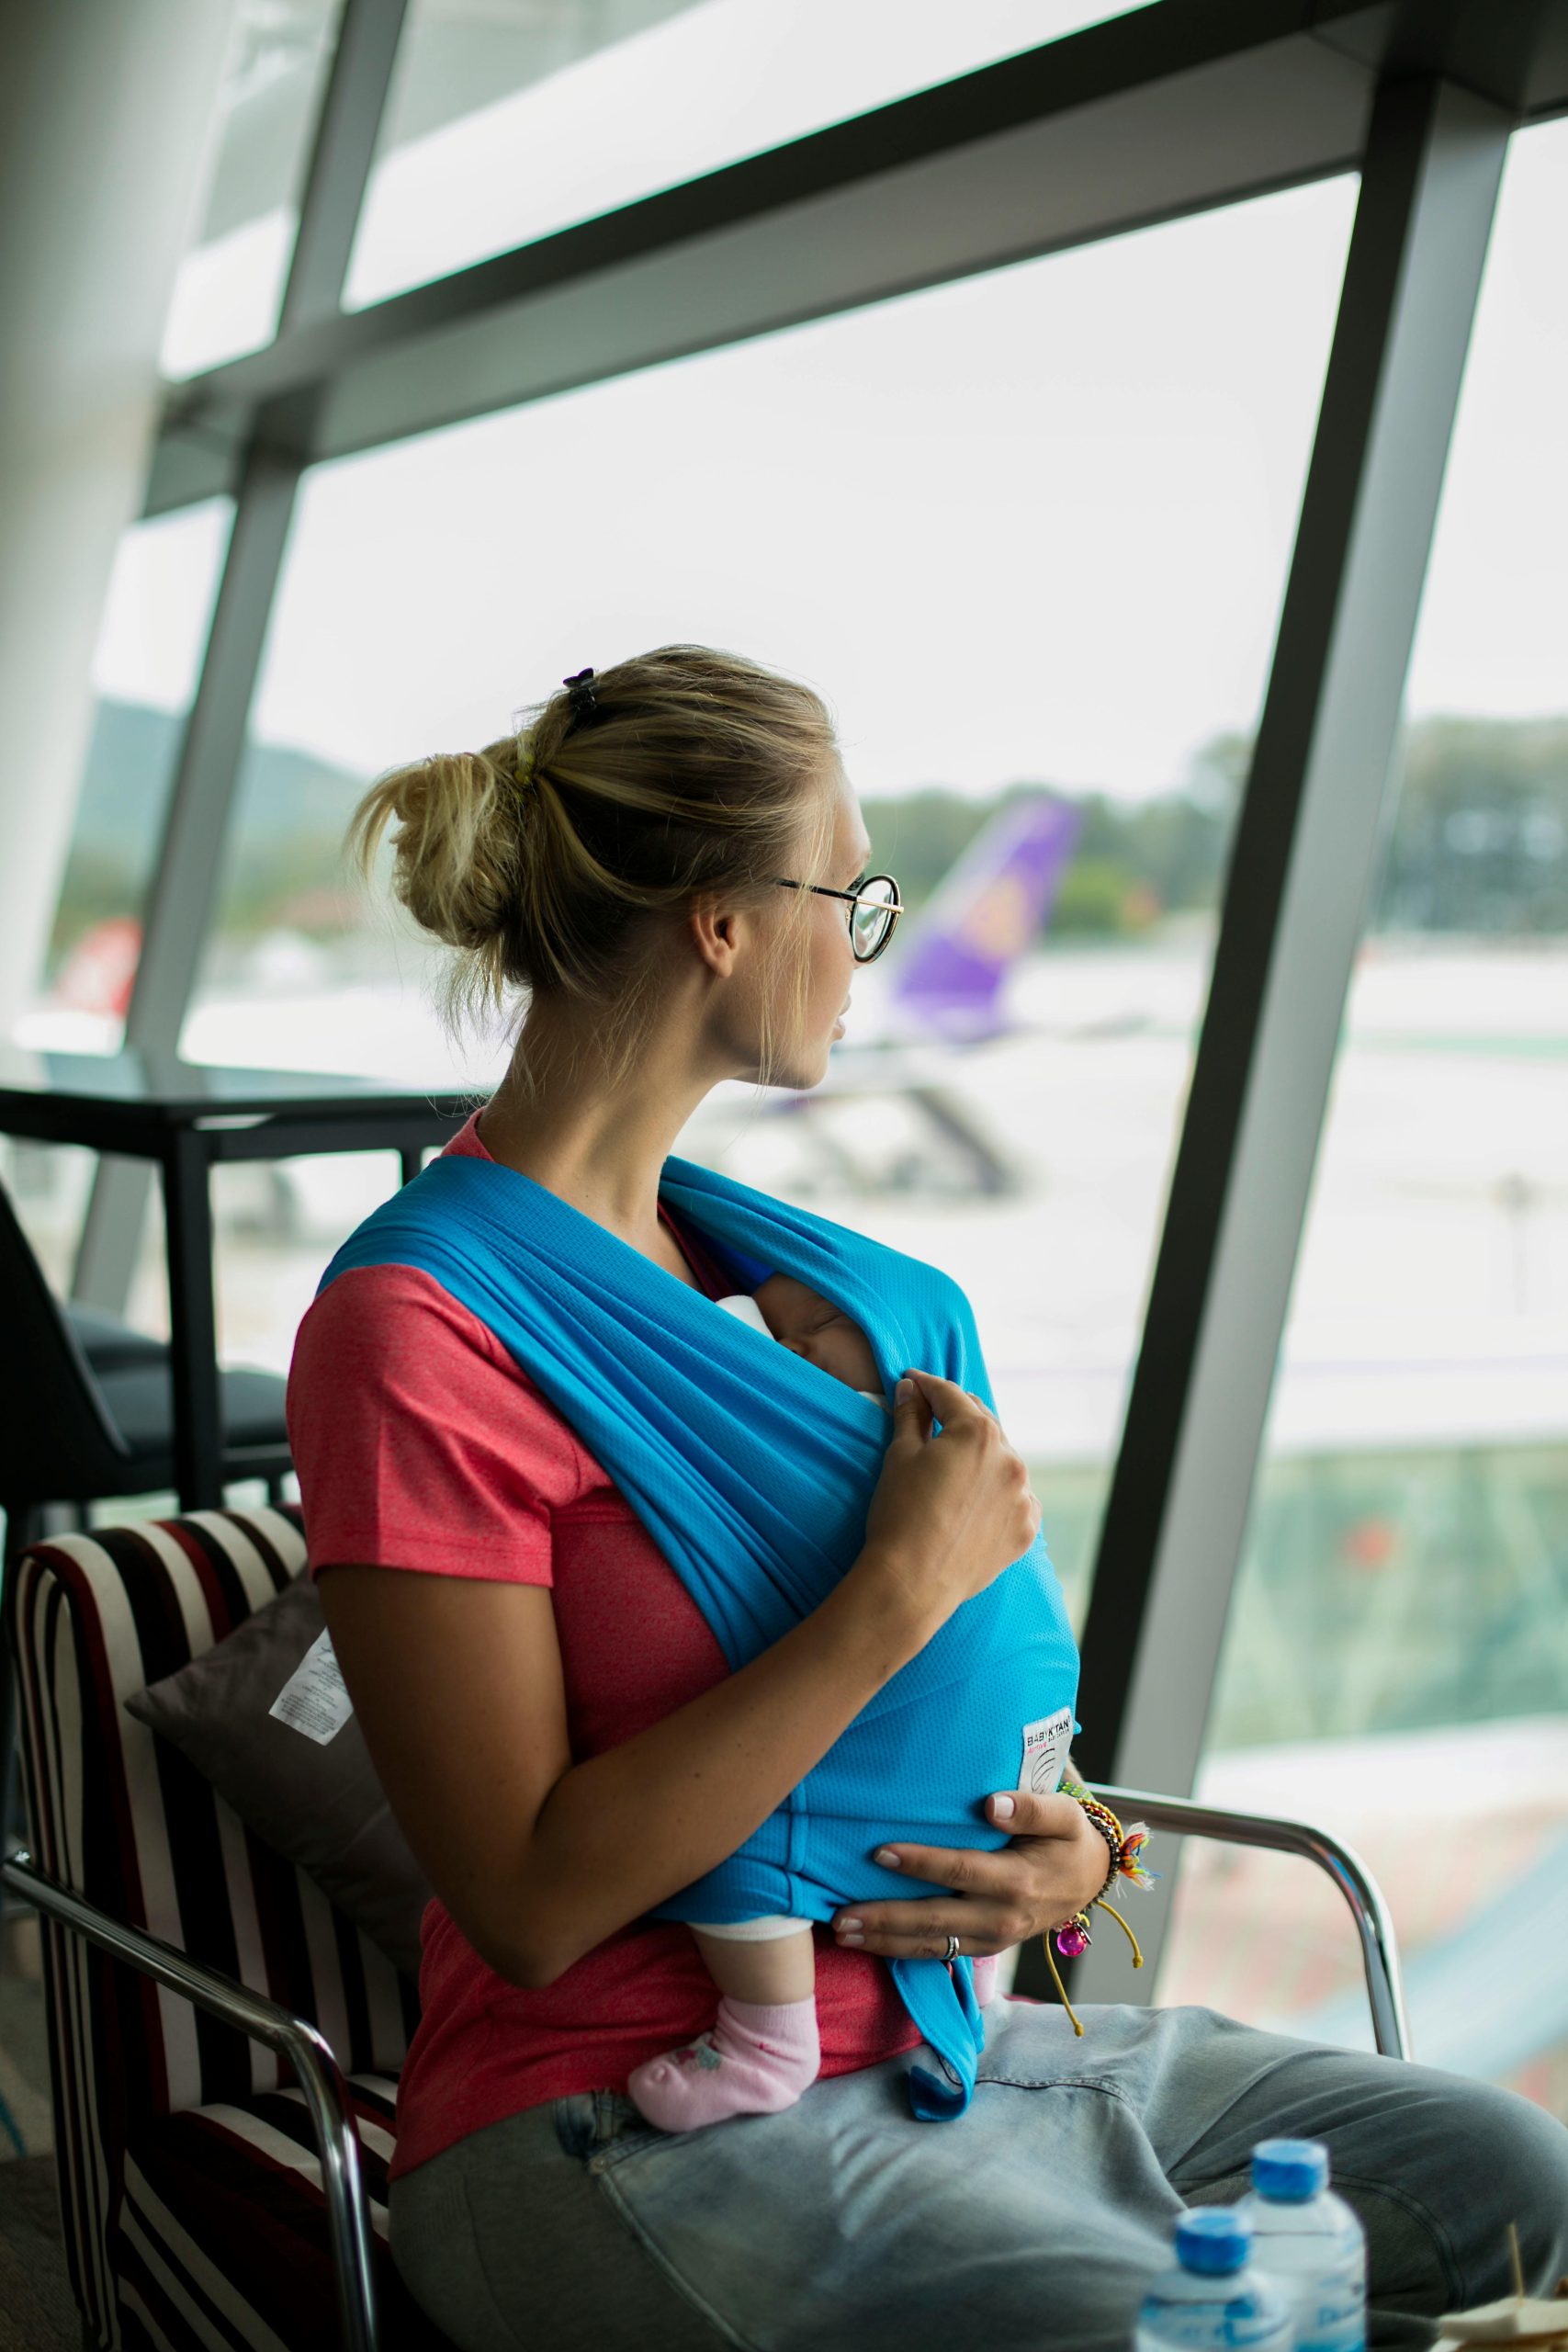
[756, 2060]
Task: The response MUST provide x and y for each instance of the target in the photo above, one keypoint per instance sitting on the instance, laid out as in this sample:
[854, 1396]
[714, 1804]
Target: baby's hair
[556, 859]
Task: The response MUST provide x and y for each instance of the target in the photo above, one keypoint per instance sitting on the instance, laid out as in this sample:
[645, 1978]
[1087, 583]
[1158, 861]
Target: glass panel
[1029, 533]
[229, 288]
[157, 614]
[505, 124]
[1396, 1664]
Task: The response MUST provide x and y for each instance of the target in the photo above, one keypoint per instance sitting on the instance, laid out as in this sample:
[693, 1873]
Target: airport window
[229, 288]
[152, 640]
[1396, 1662]
[503, 126]
[1029, 533]
[151, 637]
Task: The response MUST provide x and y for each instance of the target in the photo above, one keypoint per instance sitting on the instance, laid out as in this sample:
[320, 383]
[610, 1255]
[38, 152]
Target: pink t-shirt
[420, 1443]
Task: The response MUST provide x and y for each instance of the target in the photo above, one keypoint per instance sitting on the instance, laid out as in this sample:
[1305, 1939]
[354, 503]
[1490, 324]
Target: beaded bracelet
[1105, 1821]
[1072, 1938]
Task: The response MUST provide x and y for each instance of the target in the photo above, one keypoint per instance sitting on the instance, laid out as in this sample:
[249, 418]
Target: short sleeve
[418, 1442]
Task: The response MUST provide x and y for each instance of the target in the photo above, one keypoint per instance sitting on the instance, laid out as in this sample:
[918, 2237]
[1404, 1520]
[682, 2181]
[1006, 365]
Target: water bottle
[1212, 2300]
[1308, 2244]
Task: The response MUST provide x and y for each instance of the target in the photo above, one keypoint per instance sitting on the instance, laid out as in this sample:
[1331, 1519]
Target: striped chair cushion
[124, 1818]
[220, 2234]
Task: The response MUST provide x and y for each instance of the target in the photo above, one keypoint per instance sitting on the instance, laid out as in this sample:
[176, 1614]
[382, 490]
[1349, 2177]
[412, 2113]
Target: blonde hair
[556, 859]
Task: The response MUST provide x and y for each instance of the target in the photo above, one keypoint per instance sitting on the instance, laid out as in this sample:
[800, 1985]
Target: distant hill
[1480, 843]
[130, 762]
[291, 814]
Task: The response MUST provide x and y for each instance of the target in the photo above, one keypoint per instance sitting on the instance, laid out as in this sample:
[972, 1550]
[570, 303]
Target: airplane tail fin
[989, 907]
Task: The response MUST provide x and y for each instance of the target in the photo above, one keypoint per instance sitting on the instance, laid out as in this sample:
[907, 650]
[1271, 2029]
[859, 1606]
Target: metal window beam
[1167, 111]
[182, 897]
[1305, 854]
[184, 878]
[341, 158]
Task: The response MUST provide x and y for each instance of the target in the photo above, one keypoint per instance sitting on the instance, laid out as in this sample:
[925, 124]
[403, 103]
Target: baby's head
[813, 1328]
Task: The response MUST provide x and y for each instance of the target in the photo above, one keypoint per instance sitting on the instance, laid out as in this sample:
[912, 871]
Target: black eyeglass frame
[854, 897]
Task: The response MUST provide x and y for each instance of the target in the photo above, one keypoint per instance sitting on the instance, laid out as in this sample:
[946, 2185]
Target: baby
[764, 2050]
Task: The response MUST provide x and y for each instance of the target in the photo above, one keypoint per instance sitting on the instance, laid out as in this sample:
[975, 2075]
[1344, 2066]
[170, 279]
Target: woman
[565, 1747]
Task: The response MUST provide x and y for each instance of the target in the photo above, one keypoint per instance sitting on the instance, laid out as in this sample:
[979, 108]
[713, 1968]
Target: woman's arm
[458, 1687]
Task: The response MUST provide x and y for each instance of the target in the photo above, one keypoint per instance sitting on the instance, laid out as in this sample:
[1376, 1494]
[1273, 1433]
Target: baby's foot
[756, 2060]
[984, 1971]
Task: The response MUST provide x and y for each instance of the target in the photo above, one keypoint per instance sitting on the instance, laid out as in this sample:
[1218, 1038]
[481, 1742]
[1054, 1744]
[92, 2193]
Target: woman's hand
[950, 1512]
[1055, 1863]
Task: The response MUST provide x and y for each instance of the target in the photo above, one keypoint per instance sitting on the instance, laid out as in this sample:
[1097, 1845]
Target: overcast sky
[1035, 525]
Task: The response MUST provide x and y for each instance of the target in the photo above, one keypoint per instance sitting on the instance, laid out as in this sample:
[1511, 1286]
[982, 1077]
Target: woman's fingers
[1034, 1813]
[981, 1927]
[990, 1920]
[944, 1395]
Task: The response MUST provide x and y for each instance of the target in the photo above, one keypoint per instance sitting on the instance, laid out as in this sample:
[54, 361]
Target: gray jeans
[1030, 2224]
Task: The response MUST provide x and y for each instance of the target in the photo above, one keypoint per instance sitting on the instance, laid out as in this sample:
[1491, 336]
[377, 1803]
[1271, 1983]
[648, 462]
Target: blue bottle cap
[1290, 2170]
[1215, 2239]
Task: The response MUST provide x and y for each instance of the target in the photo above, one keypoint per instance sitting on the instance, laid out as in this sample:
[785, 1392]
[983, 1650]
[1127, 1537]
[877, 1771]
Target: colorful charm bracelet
[1072, 1938]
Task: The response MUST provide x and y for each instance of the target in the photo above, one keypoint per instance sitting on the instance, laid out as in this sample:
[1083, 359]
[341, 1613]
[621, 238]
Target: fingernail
[889, 1861]
[851, 1939]
[902, 1390]
[1003, 1808]
[845, 1924]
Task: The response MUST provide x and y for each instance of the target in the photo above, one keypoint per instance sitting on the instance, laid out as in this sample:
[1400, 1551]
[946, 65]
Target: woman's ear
[714, 934]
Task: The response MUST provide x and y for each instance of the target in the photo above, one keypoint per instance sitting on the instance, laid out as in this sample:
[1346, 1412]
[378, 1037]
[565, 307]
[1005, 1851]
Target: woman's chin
[799, 1075]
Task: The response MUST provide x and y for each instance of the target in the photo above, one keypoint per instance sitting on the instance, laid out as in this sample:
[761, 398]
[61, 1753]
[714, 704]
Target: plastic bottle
[1308, 2244]
[1212, 2300]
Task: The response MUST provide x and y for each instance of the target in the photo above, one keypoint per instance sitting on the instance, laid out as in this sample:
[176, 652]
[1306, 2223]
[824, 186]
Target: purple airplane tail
[989, 907]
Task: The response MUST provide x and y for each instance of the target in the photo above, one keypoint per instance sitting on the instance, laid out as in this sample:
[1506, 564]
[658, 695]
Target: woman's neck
[602, 1153]
[598, 1137]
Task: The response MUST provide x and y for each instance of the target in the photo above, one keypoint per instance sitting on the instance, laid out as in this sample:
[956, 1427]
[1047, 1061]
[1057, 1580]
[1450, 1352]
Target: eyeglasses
[877, 909]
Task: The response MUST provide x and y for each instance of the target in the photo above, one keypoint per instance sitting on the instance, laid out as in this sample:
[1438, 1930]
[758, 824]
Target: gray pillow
[319, 1806]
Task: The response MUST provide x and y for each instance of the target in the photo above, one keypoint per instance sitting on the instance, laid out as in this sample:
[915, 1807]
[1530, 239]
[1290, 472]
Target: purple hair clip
[580, 694]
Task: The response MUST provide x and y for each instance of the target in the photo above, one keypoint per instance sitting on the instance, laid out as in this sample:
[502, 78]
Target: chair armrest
[1374, 1928]
[307, 2049]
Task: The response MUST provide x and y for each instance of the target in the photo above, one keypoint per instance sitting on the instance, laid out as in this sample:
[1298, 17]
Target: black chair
[109, 1344]
[87, 1411]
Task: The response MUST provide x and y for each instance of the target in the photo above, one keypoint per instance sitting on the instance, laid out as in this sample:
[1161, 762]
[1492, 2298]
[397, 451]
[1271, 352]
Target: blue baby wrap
[754, 1470]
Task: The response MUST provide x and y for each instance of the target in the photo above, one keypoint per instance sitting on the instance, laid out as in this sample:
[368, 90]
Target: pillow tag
[315, 1698]
[1045, 1751]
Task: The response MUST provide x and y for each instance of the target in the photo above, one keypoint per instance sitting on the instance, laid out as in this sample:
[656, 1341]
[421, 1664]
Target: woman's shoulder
[386, 1347]
[370, 1313]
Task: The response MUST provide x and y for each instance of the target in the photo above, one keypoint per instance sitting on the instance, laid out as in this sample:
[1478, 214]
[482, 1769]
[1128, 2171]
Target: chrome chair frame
[307, 2049]
[1374, 1928]
[349, 2220]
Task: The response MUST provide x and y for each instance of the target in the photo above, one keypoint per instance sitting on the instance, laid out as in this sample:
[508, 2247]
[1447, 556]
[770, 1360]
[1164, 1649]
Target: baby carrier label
[1045, 1751]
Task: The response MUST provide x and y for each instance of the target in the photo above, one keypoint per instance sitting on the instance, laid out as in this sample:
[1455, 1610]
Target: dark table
[185, 1116]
